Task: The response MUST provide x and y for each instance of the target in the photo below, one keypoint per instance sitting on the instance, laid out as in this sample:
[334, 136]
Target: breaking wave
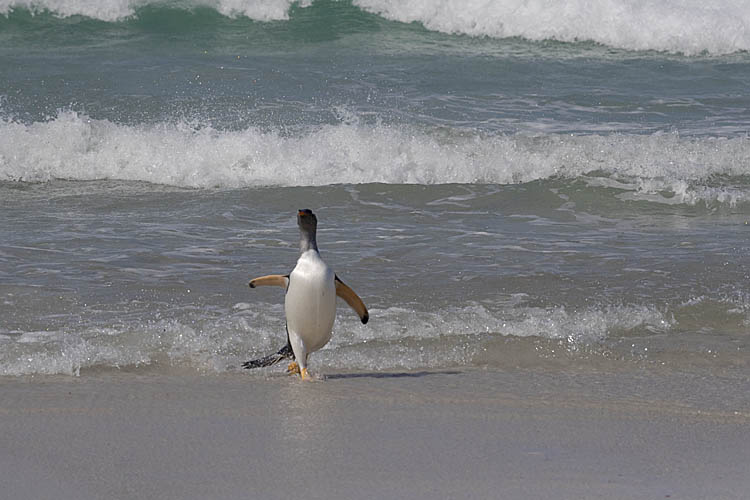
[680, 26]
[662, 167]
[683, 26]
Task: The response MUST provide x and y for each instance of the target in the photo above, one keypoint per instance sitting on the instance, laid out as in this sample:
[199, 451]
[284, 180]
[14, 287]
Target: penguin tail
[270, 360]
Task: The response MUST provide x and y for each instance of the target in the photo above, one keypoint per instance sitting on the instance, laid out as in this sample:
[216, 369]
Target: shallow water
[117, 274]
[498, 195]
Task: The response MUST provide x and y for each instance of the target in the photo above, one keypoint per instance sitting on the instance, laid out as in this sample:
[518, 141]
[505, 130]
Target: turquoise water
[502, 183]
[332, 60]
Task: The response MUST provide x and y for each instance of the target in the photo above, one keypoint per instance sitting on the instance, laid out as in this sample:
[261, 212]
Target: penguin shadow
[343, 376]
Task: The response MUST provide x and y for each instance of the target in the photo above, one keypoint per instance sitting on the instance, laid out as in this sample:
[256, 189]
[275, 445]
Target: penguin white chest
[310, 302]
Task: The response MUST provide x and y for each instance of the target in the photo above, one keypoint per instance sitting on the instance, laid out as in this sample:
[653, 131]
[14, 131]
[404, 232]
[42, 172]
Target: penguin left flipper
[281, 280]
[352, 299]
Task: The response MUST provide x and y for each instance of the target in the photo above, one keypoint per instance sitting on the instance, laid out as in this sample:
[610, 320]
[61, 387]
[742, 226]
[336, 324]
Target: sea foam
[684, 26]
[405, 339]
[75, 147]
[680, 26]
[119, 10]
[105, 10]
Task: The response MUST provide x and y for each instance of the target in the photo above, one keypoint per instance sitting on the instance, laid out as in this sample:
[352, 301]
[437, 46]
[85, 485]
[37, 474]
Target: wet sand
[446, 434]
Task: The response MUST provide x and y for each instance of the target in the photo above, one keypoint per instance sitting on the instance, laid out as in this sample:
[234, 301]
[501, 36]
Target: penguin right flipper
[271, 280]
[351, 298]
[283, 353]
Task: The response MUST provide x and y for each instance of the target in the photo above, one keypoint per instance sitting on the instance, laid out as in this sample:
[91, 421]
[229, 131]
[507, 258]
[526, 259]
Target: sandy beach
[462, 433]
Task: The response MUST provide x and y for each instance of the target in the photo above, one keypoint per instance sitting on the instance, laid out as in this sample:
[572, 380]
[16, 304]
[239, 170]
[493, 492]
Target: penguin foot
[293, 368]
[305, 375]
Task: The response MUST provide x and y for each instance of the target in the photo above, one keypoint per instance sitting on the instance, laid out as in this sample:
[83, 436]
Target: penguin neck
[307, 241]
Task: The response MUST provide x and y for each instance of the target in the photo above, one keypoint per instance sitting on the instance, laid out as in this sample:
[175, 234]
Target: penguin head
[306, 219]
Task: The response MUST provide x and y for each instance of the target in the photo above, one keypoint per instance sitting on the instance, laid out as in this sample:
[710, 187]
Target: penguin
[310, 302]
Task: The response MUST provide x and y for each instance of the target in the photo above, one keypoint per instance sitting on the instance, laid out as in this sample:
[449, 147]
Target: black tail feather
[283, 353]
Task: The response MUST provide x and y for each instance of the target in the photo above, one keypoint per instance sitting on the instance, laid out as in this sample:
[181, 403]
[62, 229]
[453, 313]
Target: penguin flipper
[283, 353]
[271, 280]
[352, 299]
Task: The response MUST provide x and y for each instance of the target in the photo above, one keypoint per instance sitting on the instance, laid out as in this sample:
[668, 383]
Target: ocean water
[521, 183]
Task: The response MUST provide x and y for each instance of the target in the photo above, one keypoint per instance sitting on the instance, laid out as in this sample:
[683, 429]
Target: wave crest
[688, 27]
[76, 147]
[119, 10]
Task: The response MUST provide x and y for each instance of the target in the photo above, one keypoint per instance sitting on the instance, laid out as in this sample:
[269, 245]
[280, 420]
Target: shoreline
[463, 433]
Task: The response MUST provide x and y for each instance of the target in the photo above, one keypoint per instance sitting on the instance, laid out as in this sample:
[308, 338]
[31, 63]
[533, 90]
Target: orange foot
[305, 375]
[293, 368]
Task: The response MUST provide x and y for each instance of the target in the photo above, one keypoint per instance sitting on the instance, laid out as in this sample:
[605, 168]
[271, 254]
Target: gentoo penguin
[310, 303]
